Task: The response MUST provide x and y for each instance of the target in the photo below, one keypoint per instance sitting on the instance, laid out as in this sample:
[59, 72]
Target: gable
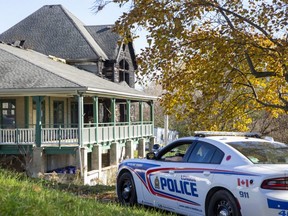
[52, 30]
[108, 40]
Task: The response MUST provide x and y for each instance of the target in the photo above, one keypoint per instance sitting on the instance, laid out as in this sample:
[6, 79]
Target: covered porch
[91, 133]
[55, 115]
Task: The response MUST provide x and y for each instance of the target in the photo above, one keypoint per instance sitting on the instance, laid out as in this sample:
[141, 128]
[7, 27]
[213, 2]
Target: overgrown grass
[20, 195]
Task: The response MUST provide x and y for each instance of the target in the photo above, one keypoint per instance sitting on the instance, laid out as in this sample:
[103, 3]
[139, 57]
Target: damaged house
[67, 96]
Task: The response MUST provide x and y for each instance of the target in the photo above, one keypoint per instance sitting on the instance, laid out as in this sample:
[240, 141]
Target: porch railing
[108, 133]
[103, 132]
[59, 135]
[17, 136]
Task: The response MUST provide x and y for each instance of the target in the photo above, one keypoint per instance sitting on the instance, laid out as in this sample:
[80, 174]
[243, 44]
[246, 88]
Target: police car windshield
[263, 152]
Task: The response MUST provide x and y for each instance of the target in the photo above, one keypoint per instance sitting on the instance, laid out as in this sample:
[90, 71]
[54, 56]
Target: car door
[196, 176]
[162, 182]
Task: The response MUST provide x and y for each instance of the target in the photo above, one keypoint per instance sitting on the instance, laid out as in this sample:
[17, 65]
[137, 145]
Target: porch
[102, 133]
[112, 131]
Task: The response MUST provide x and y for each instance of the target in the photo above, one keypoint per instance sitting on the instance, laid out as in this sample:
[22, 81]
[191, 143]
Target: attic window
[124, 47]
[124, 65]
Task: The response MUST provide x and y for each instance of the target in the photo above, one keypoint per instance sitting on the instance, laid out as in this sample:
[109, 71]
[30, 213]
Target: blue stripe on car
[274, 204]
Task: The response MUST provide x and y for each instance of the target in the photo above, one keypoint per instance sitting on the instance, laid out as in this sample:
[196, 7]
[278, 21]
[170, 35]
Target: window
[262, 152]
[8, 113]
[58, 111]
[176, 153]
[124, 71]
[206, 153]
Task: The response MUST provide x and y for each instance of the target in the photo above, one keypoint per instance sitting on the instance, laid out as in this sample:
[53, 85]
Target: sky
[13, 11]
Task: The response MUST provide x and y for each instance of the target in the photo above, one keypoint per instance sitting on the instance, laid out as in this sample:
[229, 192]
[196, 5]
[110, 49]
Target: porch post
[151, 143]
[97, 158]
[37, 161]
[152, 114]
[96, 116]
[82, 151]
[113, 117]
[81, 120]
[141, 116]
[26, 112]
[141, 148]
[128, 114]
[114, 153]
[129, 150]
[38, 100]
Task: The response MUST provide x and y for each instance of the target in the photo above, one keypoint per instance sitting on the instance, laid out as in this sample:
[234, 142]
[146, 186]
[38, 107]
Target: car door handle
[206, 173]
[171, 172]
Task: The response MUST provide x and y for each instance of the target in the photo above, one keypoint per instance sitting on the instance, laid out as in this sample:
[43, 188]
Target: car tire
[126, 190]
[223, 203]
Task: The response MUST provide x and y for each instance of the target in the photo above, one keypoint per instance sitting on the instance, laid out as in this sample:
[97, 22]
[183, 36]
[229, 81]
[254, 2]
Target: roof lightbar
[226, 133]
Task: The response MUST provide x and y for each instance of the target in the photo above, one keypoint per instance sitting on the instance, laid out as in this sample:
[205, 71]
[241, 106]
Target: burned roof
[29, 72]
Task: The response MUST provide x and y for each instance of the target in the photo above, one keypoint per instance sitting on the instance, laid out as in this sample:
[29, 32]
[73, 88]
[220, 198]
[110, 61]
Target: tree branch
[256, 73]
[221, 9]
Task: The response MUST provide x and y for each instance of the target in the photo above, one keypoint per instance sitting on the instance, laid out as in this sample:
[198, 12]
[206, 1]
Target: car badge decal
[157, 185]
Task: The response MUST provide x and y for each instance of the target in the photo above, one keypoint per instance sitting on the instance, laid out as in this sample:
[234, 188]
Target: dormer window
[124, 65]
[124, 71]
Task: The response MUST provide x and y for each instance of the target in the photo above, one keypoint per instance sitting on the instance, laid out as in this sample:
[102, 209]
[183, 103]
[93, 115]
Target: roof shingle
[53, 30]
[24, 70]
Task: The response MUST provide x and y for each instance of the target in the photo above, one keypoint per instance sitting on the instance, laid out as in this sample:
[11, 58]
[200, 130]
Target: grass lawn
[21, 195]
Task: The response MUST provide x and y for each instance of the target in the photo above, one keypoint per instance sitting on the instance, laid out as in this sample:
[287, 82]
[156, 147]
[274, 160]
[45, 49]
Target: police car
[212, 173]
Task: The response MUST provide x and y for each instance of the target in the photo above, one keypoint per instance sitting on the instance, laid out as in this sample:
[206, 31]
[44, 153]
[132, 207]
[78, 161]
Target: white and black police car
[211, 173]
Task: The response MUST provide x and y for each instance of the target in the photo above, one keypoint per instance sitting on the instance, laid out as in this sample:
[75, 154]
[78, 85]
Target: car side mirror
[150, 155]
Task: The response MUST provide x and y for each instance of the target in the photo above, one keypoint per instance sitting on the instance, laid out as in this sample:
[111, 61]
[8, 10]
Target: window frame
[205, 159]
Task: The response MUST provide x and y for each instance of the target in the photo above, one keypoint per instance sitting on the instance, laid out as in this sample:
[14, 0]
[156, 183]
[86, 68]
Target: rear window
[263, 152]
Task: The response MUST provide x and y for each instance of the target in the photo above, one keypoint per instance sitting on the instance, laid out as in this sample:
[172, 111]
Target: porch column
[129, 150]
[38, 130]
[152, 115]
[26, 102]
[97, 158]
[141, 116]
[81, 120]
[96, 116]
[84, 157]
[114, 153]
[141, 148]
[113, 117]
[128, 110]
[37, 162]
[151, 143]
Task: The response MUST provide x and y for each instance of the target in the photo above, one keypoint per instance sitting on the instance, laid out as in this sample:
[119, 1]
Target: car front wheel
[223, 203]
[126, 190]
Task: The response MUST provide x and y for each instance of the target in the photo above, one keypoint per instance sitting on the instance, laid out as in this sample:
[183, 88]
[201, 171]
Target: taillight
[275, 184]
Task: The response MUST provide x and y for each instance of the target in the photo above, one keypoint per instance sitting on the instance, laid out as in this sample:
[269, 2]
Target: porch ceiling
[26, 72]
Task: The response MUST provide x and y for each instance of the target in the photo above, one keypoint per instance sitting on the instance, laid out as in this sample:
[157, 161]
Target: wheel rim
[126, 190]
[223, 208]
